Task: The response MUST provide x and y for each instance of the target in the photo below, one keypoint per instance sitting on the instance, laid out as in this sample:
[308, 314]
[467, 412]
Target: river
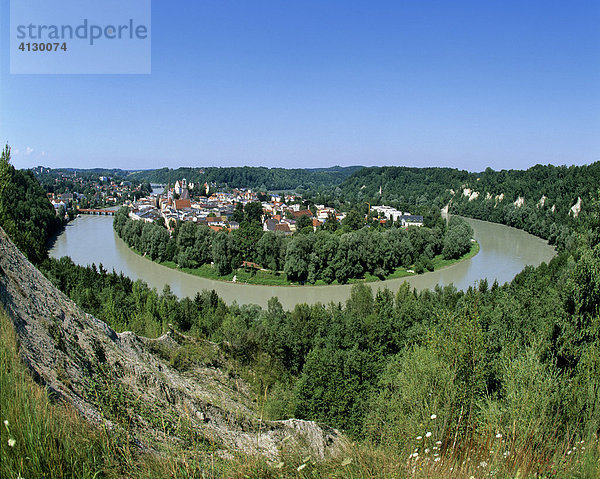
[504, 251]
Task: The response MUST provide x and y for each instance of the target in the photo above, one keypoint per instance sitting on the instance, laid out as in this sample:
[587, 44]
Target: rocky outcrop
[576, 208]
[520, 201]
[125, 382]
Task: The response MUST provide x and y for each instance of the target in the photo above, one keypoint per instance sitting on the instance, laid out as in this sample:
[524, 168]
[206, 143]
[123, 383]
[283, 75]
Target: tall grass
[41, 438]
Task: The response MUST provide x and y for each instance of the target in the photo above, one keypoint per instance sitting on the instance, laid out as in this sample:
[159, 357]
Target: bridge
[88, 211]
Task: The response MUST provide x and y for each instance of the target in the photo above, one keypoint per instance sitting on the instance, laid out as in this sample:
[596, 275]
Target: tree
[253, 212]
[304, 224]
[353, 220]
[296, 258]
[458, 239]
[270, 251]
[225, 253]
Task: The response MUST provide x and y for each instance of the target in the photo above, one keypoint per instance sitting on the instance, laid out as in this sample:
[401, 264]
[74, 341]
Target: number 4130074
[43, 47]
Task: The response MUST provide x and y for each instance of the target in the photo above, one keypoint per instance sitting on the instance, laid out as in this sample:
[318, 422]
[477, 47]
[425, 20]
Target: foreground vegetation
[42, 438]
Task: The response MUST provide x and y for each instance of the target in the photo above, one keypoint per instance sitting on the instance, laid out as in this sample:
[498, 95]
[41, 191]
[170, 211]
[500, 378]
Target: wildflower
[301, 466]
[568, 452]
[439, 443]
[437, 459]
[498, 436]
[483, 464]
[6, 422]
[419, 438]
[433, 416]
[11, 442]
[415, 454]
[506, 454]
[427, 451]
[428, 434]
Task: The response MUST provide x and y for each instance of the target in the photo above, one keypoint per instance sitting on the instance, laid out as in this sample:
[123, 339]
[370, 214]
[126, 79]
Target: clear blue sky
[305, 83]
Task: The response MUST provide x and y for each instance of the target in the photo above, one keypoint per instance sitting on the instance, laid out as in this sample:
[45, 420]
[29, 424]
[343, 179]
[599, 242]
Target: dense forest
[25, 212]
[251, 177]
[330, 254]
[537, 200]
[514, 368]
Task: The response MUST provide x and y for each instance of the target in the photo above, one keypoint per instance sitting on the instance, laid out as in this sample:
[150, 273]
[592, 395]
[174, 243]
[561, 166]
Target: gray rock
[119, 380]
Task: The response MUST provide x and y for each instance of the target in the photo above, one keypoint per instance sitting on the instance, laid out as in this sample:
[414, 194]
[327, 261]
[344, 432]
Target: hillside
[122, 381]
[545, 200]
[251, 177]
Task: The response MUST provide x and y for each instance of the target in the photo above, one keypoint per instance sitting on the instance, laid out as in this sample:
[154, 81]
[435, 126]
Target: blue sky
[321, 83]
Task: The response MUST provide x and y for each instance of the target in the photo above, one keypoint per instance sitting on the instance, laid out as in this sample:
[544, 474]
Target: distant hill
[252, 176]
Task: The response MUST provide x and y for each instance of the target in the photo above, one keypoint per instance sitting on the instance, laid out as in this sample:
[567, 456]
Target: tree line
[304, 257]
[251, 177]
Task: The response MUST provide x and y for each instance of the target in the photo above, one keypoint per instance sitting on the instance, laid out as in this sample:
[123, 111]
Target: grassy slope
[45, 439]
[269, 278]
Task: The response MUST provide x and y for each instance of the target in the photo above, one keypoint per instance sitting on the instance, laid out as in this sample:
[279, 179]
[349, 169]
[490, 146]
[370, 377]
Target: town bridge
[88, 211]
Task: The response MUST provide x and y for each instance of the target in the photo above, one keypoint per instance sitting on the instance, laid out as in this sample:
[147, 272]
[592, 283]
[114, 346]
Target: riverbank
[269, 278]
[503, 253]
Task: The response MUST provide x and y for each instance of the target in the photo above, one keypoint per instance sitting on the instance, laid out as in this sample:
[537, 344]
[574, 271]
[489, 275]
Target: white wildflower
[428, 434]
[301, 466]
[483, 464]
[419, 438]
[11, 442]
[437, 459]
[439, 443]
[498, 436]
[6, 422]
[433, 416]
[427, 451]
[415, 454]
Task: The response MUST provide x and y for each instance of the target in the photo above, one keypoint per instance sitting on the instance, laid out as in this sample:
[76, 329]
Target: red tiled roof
[298, 214]
[283, 227]
[180, 204]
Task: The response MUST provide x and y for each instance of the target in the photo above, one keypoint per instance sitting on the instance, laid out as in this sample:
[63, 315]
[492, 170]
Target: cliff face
[122, 380]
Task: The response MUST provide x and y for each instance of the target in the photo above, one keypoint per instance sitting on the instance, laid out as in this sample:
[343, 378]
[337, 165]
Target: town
[281, 213]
